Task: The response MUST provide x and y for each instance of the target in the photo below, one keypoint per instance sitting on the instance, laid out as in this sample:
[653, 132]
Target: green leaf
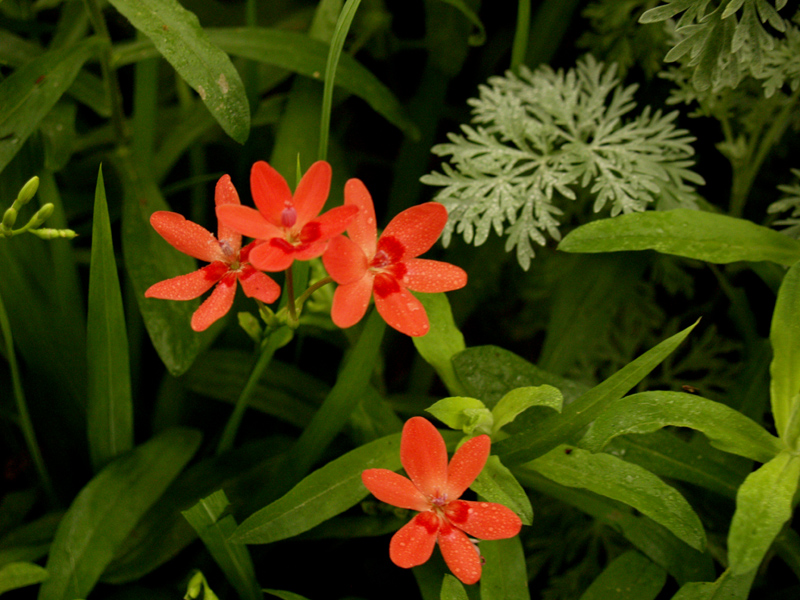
[452, 589]
[149, 259]
[784, 336]
[610, 476]
[478, 38]
[763, 505]
[107, 509]
[727, 587]
[497, 484]
[630, 576]
[535, 441]
[489, 373]
[198, 588]
[233, 559]
[286, 595]
[466, 414]
[177, 35]
[325, 493]
[504, 574]
[29, 93]
[442, 342]
[727, 429]
[521, 399]
[109, 411]
[17, 575]
[691, 233]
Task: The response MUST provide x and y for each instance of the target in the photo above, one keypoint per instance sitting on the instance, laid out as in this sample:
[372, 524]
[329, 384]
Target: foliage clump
[540, 136]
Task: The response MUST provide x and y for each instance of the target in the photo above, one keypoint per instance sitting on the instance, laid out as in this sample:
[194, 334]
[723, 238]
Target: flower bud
[41, 215]
[250, 325]
[52, 234]
[28, 191]
[9, 218]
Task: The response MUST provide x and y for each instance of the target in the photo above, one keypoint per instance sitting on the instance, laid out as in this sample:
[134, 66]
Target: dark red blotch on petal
[385, 285]
[390, 250]
[311, 232]
[430, 521]
[457, 511]
[215, 271]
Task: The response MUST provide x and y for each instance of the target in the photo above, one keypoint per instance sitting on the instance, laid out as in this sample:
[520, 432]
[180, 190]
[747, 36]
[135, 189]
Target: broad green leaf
[467, 414]
[763, 505]
[107, 509]
[651, 539]
[284, 595]
[489, 373]
[727, 587]
[535, 441]
[30, 541]
[452, 589]
[497, 484]
[323, 494]
[177, 35]
[504, 574]
[784, 336]
[17, 575]
[150, 259]
[521, 399]
[29, 93]
[630, 576]
[691, 233]
[233, 559]
[726, 428]
[442, 342]
[109, 410]
[609, 476]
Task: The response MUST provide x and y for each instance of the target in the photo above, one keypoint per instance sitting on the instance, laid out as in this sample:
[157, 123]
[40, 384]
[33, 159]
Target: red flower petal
[432, 276]
[466, 464]
[312, 192]
[273, 255]
[270, 192]
[417, 228]
[413, 543]
[400, 309]
[484, 520]
[225, 193]
[424, 456]
[329, 224]
[344, 260]
[216, 305]
[350, 302]
[190, 286]
[247, 221]
[363, 230]
[258, 285]
[190, 238]
[460, 555]
[387, 486]
[309, 251]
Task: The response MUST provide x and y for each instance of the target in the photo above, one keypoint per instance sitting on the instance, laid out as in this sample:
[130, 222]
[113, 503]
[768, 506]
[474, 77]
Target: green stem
[25, 422]
[109, 73]
[521, 34]
[291, 307]
[743, 178]
[277, 339]
[313, 288]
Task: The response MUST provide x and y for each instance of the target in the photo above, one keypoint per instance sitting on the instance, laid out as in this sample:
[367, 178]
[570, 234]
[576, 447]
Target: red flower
[387, 268]
[434, 490]
[289, 225]
[229, 263]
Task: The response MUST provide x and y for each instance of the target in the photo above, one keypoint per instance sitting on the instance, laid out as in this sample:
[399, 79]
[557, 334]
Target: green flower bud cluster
[25, 195]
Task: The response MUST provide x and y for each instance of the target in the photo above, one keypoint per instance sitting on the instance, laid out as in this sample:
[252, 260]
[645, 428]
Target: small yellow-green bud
[52, 234]
[9, 218]
[28, 190]
[251, 326]
[41, 215]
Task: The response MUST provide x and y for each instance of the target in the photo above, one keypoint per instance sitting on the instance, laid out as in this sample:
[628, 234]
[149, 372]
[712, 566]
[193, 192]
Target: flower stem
[277, 339]
[520, 46]
[311, 289]
[290, 305]
[25, 422]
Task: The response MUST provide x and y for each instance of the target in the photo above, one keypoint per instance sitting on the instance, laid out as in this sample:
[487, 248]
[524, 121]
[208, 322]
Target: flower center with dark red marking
[429, 520]
[385, 285]
[215, 270]
[311, 232]
[390, 251]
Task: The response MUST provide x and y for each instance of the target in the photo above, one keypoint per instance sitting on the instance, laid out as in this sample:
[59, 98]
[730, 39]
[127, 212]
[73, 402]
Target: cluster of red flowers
[288, 227]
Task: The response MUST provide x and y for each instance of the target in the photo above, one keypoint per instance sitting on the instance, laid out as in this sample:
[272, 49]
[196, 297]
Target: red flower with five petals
[288, 224]
[434, 490]
[387, 268]
[229, 263]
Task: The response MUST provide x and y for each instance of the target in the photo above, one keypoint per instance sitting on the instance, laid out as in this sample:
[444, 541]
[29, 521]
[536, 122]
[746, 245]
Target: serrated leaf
[29, 93]
[630, 576]
[763, 505]
[521, 399]
[109, 410]
[107, 509]
[442, 342]
[497, 484]
[691, 233]
[785, 368]
[534, 441]
[726, 428]
[177, 35]
[17, 575]
[609, 476]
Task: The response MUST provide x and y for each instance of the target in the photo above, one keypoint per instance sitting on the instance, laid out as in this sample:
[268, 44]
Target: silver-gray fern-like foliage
[538, 137]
